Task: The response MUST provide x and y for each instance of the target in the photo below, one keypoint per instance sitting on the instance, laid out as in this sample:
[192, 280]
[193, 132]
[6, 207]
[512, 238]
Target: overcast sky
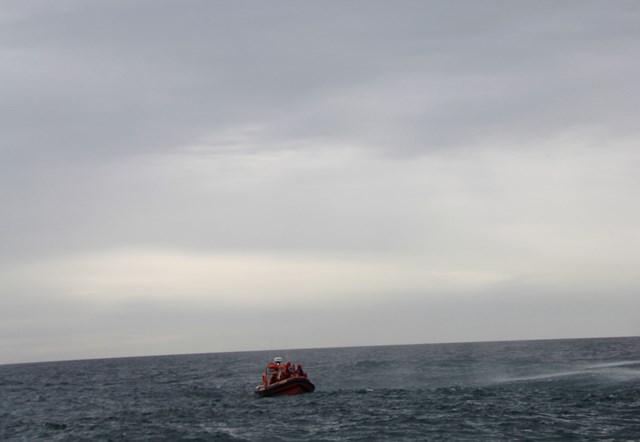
[202, 176]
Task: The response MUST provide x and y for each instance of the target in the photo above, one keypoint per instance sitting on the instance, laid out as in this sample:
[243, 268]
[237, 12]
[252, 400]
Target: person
[274, 377]
[299, 371]
[275, 365]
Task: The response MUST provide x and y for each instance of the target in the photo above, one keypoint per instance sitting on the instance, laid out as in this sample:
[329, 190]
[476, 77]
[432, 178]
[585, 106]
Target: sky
[206, 176]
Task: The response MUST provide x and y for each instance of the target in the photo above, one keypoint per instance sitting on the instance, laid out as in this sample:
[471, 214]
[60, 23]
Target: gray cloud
[484, 145]
[106, 78]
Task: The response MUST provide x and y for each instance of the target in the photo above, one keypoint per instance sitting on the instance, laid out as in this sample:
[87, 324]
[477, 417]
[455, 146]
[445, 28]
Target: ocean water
[586, 389]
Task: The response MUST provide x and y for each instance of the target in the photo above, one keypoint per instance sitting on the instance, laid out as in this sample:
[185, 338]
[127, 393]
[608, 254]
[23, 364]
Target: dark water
[552, 390]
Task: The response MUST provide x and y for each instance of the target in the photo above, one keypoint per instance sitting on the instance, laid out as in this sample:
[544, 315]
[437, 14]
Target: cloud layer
[179, 176]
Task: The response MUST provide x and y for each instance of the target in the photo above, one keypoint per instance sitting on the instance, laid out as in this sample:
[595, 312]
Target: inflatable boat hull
[287, 387]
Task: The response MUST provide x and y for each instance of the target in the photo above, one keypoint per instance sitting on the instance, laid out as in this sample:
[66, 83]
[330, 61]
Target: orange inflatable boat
[284, 380]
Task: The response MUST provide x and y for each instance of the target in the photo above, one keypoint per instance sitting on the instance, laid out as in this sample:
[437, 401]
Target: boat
[284, 380]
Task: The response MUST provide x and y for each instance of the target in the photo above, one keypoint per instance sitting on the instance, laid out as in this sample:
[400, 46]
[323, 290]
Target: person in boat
[276, 364]
[299, 371]
[274, 377]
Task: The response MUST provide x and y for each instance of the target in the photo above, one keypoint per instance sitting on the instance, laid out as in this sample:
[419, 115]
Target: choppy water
[564, 389]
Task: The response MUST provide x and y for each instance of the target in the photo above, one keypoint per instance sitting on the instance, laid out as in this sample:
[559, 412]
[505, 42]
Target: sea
[579, 389]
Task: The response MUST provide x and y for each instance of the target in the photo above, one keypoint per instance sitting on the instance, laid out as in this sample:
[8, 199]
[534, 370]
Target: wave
[615, 370]
[614, 364]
